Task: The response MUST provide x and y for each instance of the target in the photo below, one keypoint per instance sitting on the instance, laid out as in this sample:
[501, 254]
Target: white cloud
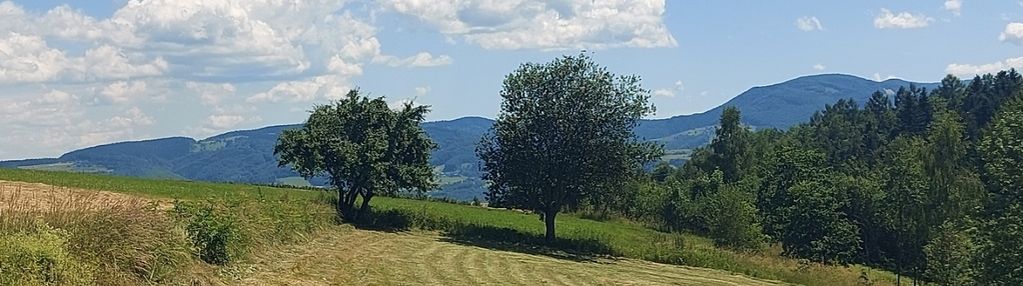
[954, 6]
[422, 59]
[327, 86]
[1013, 33]
[969, 70]
[58, 97]
[224, 119]
[545, 25]
[201, 40]
[677, 89]
[809, 24]
[819, 67]
[903, 20]
[56, 122]
[664, 92]
[123, 92]
[422, 90]
[28, 58]
[119, 127]
[211, 94]
[74, 80]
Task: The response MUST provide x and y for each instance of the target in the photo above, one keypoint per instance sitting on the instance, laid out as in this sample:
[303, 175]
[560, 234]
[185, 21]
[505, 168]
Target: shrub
[210, 231]
[733, 220]
[41, 258]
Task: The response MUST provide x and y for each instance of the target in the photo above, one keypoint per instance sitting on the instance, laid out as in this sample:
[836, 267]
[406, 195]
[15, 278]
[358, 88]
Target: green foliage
[209, 231]
[787, 167]
[1003, 163]
[271, 216]
[1000, 257]
[955, 190]
[363, 147]
[733, 220]
[563, 136]
[816, 228]
[951, 255]
[1002, 148]
[41, 258]
[730, 146]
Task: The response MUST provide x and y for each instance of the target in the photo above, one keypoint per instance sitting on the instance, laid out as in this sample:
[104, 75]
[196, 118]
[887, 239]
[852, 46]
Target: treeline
[926, 183]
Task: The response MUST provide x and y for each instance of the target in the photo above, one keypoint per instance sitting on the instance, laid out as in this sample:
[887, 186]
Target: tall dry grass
[69, 237]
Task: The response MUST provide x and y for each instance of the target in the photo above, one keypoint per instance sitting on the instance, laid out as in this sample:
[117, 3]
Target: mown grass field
[492, 235]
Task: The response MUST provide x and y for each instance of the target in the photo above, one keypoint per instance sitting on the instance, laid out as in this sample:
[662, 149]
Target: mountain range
[247, 155]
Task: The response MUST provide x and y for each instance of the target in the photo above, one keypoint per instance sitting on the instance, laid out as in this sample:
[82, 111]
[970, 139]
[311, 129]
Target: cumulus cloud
[211, 94]
[225, 118]
[56, 122]
[1013, 33]
[809, 24]
[422, 59]
[28, 58]
[545, 25]
[677, 89]
[954, 6]
[197, 40]
[110, 70]
[819, 67]
[970, 70]
[903, 20]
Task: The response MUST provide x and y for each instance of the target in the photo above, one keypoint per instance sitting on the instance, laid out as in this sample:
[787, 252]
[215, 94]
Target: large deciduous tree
[1002, 147]
[363, 147]
[564, 135]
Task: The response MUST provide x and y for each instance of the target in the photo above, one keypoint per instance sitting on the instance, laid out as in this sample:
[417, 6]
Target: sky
[75, 74]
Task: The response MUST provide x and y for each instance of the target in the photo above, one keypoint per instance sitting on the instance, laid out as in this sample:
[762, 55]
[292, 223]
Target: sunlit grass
[515, 230]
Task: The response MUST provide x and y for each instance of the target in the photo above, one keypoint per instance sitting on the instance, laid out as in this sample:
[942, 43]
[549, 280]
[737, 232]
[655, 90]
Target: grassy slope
[349, 256]
[508, 228]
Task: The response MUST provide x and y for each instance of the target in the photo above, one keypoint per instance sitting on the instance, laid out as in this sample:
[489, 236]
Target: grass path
[344, 255]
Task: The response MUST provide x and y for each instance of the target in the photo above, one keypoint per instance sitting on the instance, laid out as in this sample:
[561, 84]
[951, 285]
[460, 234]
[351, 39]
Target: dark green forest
[926, 183]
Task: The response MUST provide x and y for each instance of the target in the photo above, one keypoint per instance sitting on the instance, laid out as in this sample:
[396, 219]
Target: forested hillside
[923, 182]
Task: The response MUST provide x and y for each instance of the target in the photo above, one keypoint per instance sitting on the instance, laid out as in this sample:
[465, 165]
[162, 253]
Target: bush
[733, 219]
[210, 231]
[223, 231]
[41, 258]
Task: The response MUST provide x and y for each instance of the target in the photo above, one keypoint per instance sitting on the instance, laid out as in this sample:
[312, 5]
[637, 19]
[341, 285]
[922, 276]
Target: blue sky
[79, 73]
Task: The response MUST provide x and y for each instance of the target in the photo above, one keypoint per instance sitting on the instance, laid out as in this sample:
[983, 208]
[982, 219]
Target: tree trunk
[345, 203]
[548, 219]
[341, 204]
[365, 205]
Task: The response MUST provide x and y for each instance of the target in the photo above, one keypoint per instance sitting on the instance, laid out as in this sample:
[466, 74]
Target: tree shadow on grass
[486, 236]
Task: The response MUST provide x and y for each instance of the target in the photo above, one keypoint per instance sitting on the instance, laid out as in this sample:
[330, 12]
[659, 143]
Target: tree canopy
[363, 147]
[564, 135]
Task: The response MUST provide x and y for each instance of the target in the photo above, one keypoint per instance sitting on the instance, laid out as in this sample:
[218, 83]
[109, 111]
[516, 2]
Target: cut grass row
[505, 229]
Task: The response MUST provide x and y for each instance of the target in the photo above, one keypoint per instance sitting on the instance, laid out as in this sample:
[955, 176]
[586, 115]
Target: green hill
[246, 156]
